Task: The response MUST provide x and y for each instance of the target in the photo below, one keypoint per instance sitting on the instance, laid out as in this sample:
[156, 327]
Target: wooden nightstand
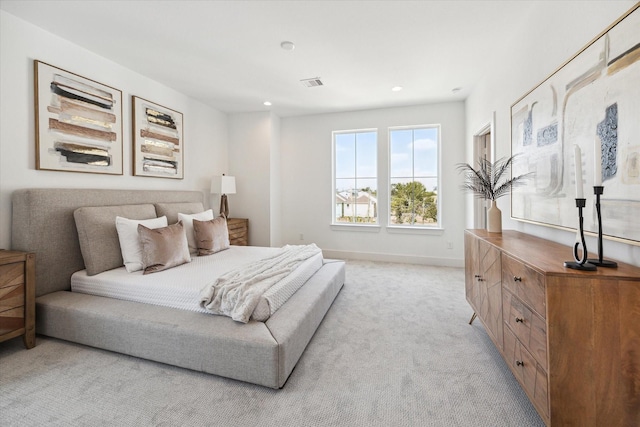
[18, 296]
[238, 231]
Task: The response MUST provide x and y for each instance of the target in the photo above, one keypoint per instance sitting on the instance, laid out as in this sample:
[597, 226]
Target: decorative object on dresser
[238, 231]
[158, 140]
[591, 100]
[570, 337]
[78, 122]
[598, 190]
[223, 185]
[17, 296]
[485, 182]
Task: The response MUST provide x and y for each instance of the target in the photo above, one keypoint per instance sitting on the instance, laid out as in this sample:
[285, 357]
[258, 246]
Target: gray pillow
[98, 237]
[163, 248]
[171, 210]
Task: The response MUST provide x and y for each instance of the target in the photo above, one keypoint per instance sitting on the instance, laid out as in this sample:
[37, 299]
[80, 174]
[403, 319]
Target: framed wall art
[587, 113]
[158, 142]
[78, 122]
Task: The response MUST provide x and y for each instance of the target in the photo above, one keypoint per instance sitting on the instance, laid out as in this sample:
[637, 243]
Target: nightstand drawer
[11, 297]
[238, 231]
[11, 274]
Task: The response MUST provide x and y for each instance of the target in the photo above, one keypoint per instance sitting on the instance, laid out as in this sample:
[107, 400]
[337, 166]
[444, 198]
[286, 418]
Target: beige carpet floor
[395, 349]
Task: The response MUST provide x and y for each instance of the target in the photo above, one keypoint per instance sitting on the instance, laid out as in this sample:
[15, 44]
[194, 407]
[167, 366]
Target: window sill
[400, 229]
[367, 228]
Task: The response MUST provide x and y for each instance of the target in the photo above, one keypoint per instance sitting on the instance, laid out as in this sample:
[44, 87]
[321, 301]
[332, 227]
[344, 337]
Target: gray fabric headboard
[43, 223]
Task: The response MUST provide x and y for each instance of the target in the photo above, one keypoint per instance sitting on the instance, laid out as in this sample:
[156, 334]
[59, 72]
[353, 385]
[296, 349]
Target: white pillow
[187, 222]
[130, 242]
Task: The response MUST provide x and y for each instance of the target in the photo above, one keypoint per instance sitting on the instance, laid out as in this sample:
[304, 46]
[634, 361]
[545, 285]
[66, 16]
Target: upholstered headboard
[43, 223]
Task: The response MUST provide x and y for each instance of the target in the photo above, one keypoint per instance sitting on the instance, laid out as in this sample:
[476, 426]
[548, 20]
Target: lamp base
[224, 206]
[604, 263]
[577, 266]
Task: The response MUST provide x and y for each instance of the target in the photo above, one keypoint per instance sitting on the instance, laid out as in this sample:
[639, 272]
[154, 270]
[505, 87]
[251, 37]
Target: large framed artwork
[78, 122]
[158, 142]
[586, 113]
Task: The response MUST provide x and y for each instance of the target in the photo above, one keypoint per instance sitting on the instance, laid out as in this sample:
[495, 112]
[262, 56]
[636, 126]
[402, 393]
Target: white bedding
[180, 287]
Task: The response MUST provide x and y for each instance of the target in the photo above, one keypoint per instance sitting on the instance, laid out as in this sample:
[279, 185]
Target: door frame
[483, 149]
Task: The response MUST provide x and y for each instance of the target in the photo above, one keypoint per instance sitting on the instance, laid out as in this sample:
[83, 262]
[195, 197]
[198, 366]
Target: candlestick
[581, 261]
[597, 165]
[577, 154]
[598, 190]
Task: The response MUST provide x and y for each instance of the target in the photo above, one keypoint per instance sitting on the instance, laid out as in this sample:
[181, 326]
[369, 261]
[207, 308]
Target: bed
[259, 352]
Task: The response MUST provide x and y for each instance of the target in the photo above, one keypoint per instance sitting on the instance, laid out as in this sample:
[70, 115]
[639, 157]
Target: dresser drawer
[528, 327]
[525, 283]
[11, 274]
[11, 297]
[529, 373]
[12, 319]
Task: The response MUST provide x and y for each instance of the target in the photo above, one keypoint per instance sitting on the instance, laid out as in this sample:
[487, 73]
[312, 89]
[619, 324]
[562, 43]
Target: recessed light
[267, 103]
[396, 88]
[287, 45]
[456, 89]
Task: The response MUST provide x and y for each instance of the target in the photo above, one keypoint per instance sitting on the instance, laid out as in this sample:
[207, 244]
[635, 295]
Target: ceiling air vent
[312, 82]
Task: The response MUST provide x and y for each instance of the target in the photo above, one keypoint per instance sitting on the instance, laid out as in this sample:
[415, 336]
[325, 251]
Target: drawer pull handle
[517, 279]
[519, 319]
[519, 363]
[476, 276]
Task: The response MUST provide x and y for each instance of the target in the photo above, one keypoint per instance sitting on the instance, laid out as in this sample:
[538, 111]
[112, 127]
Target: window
[413, 176]
[355, 177]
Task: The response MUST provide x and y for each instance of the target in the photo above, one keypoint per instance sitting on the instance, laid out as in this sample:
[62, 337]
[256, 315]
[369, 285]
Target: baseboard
[404, 259]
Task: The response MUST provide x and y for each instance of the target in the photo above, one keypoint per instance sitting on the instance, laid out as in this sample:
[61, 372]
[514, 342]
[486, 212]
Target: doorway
[483, 148]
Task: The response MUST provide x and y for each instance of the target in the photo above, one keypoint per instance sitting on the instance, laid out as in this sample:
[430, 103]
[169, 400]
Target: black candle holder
[598, 190]
[581, 262]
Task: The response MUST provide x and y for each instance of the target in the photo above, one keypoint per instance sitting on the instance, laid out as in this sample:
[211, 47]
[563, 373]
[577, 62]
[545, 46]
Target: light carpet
[395, 349]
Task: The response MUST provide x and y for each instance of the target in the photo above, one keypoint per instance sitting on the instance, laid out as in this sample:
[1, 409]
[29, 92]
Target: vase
[494, 218]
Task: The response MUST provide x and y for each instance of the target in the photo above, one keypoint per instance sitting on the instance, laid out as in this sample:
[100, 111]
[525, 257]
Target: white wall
[308, 202]
[250, 151]
[205, 130]
[531, 58]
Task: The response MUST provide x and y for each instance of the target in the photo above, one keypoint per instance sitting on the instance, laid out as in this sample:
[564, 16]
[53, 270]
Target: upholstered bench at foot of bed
[256, 352]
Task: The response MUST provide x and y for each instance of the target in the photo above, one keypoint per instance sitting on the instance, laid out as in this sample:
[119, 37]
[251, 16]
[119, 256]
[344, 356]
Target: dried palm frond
[484, 181]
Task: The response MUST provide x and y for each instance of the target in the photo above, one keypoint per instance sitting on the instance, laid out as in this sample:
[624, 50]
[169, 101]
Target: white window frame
[350, 225]
[415, 227]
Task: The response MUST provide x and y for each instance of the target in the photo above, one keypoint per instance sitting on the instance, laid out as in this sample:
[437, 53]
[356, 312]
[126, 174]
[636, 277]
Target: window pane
[366, 210]
[344, 200]
[401, 156]
[366, 154]
[425, 152]
[414, 176]
[345, 146]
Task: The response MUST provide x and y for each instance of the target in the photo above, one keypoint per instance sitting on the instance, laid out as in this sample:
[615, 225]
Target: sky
[413, 154]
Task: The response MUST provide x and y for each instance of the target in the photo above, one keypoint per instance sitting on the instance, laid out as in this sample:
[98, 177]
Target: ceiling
[227, 54]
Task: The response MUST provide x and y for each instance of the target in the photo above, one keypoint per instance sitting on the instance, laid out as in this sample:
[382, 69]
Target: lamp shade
[223, 185]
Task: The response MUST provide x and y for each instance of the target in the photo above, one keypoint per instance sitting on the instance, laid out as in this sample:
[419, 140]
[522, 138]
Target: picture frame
[158, 141]
[78, 122]
[590, 106]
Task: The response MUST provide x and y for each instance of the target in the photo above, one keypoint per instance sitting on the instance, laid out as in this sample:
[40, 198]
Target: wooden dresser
[17, 296]
[571, 338]
[238, 231]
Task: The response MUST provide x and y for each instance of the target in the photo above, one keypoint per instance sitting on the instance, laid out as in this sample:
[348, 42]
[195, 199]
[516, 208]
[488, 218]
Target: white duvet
[180, 287]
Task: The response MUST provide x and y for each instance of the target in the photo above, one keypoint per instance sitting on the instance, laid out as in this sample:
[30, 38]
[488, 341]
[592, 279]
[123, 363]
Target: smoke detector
[312, 82]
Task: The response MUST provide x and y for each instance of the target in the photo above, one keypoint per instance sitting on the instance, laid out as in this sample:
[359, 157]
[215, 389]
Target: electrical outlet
[449, 245]
[301, 236]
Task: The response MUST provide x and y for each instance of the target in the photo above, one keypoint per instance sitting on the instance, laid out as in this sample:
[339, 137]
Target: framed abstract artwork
[158, 141]
[584, 121]
[78, 122]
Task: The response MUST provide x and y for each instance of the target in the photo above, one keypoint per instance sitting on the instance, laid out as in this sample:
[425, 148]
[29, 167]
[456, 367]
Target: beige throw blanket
[237, 292]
